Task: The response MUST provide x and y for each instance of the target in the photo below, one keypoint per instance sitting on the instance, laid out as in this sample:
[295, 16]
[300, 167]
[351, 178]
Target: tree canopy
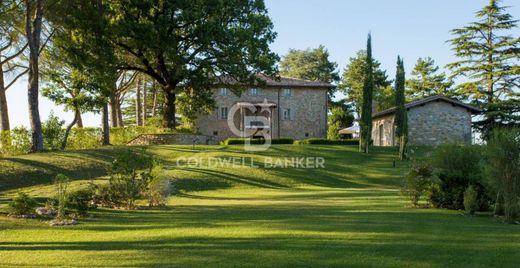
[426, 81]
[310, 64]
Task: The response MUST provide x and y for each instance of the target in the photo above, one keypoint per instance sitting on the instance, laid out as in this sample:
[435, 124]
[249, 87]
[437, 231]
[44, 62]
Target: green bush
[328, 142]
[130, 174]
[503, 155]
[84, 138]
[61, 182]
[16, 141]
[457, 168]
[159, 188]
[53, 133]
[418, 182]
[241, 141]
[79, 202]
[470, 200]
[23, 204]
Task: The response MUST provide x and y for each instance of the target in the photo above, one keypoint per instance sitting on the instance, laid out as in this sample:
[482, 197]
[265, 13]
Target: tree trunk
[143, 120]
[4, 113]
[105, 125]
[113, 110]
[138, 103]
[77, 115]
[120, 122]
[80, 120]
[169, 107]
[33, 30]
[154, 104]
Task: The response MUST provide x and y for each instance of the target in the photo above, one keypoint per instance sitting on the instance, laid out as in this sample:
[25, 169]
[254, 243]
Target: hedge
[241, 141]
[328, 142]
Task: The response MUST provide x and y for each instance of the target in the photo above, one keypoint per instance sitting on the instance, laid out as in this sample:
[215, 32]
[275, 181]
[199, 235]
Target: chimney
[374, 106]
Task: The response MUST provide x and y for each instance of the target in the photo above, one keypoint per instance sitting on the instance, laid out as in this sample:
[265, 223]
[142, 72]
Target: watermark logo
[308, 162]
[255, 124]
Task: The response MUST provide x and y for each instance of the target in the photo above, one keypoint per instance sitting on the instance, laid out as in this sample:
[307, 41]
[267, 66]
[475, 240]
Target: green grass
[348, 214]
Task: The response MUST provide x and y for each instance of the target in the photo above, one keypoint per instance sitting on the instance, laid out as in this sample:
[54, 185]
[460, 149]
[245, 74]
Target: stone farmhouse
[431, 121]
[281, 108]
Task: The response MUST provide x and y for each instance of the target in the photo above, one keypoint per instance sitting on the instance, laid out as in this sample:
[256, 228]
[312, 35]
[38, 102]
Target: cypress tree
[365, 123]
[401, 117]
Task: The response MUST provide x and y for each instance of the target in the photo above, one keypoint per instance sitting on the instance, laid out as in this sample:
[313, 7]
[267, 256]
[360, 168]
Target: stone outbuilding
[431, 121]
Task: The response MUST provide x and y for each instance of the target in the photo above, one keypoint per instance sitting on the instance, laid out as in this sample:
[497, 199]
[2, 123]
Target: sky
[409, 28]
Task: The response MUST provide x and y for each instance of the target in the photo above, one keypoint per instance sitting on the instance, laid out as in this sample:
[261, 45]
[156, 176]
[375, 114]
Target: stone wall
[383, 131]
[433, 123]
[439, 123]
[146, 139]
[308, 106]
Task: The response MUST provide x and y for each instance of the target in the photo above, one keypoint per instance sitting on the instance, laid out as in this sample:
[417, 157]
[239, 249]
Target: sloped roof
[282, 82]
[421, 102]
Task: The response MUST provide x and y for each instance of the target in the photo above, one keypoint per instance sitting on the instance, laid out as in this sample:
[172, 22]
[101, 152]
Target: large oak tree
[190, 43]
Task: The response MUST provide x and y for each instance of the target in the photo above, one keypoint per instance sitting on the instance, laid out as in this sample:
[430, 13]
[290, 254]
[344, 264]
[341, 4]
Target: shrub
[159, 188]
[61, 183]
[240, 141]
[80, 201]
[418, 182]
[84, 138]
[130, 174]
[16, 141]
[504, 166]
[457, 168]
[53, 132]
[23, 204]
[328, 142]
[470, 200]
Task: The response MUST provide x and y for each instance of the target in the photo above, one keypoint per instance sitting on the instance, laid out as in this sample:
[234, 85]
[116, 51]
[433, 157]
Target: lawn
[346, 214]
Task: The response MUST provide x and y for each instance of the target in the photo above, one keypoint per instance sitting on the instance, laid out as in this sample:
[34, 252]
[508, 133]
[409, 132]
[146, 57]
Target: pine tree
[366, 111]
[427, 81]
[488, 60]
[401, 117]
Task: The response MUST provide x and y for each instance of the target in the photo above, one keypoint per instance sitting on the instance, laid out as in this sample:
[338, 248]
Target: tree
[426, 81]
[340, 117]
[193, 43]
[401, 117]
[117, 95]
[12, 46]
[354, 76]
[310, 64]
[365, 123]
[33, 28]
[489, 61]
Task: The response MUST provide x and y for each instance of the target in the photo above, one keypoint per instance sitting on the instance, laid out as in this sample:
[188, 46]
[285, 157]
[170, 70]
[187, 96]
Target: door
[381, 135]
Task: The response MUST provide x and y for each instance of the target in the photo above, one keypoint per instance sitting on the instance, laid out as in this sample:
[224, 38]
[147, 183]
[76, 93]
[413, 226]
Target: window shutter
[292, 111]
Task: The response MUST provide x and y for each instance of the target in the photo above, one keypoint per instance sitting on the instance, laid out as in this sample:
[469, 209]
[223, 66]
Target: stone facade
[431, 123]
[188, 139]
[298, 115]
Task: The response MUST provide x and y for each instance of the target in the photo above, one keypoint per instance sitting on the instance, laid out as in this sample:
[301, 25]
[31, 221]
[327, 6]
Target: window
[252, 91]
[286, 92]
[215, 133]
[223, 91]
[223, 113]
[286, 114]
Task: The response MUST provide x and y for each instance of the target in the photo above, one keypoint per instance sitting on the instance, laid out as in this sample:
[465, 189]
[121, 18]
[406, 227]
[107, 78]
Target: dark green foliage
[340, 117]
[457, 168]
[365, 123]
[504, 166]
[470, 200]
[426, 81]
[310, 64]
[418, 182]
[130, 174]
[488, 62]
[328, 142]
[159, 188]
[352, 83]
[239, 141]
[22, 204]
[79, 202]
[401, 115]
[53, 132]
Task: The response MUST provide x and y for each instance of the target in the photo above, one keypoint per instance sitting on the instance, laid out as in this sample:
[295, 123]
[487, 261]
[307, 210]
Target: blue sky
[410, 28]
